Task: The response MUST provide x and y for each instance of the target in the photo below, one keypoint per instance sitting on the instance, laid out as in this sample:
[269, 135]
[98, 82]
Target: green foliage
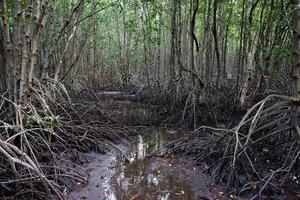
[139, 24]
[44, 119]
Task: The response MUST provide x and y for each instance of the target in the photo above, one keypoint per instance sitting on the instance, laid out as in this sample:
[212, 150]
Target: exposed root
[46, 142]
[257, 155]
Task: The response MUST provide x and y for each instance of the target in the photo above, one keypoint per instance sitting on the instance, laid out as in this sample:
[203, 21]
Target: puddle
[155, 178]
[98, 168]
[133, 112]
[144, 178]
[116, 95]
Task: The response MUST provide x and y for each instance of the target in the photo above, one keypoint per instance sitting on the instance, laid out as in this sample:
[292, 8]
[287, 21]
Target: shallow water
[144, 178]
[154, 178]
[132, 113]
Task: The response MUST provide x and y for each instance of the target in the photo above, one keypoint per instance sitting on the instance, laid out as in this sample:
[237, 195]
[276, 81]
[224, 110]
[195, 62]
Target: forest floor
[140, 174]
[112, 178]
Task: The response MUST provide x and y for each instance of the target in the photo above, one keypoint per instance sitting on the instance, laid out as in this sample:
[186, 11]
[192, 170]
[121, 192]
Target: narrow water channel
[155, 178]
[148, 178]
[142, 178]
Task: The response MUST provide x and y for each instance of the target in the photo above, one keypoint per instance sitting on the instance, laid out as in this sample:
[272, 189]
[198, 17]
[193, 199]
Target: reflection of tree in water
[150, 178]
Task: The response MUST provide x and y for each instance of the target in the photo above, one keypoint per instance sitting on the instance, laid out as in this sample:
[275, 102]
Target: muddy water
[156, 178]
[161, 178]
[142, 178]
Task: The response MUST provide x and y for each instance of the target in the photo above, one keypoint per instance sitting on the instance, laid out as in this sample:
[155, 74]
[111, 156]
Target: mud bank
[162, 178]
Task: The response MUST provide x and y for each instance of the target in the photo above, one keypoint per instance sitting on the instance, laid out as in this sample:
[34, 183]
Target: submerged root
[40, 155]
[257, 155]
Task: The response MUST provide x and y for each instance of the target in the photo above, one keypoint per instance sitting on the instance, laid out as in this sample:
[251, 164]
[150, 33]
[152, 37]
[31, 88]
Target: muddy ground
[157, 177]
[137, 175]
[113, 177]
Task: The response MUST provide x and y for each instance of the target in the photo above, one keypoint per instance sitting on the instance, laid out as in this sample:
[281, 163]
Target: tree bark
[159, 42]
[296, 50]
[173, 41]
[296, 64]
[7, 44]
[16, 46]
[216, 42]
[2, 80]
[193, 39]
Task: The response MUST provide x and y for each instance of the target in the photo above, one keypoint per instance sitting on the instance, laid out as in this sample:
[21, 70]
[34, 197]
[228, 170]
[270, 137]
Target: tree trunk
[7, 44]
[16, 46]
[216, 42]
[2, 80]
[159, 41]
[207, 44]
[194, 10]
[145, 44]
[296, 64]
[173, 41]
[296, 51]
[178, 38]
[240, 64]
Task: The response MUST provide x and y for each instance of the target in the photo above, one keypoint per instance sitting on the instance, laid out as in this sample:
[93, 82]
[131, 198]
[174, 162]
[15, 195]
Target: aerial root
[41, 155]
[259, 154]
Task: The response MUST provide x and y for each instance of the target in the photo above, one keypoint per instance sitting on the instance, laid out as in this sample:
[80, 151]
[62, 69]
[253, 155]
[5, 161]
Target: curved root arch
[245, 156]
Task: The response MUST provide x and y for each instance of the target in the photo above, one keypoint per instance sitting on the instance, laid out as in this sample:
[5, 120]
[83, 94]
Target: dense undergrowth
[223, 66]
[253, 150]
[215, 107]
[258, 158]
[41, 155]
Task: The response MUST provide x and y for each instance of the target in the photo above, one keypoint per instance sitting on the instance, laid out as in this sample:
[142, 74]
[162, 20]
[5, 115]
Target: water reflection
[140, 153]
[128, 110]
[150, 178]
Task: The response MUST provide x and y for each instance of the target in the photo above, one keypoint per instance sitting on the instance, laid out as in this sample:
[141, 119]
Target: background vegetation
[202, 62]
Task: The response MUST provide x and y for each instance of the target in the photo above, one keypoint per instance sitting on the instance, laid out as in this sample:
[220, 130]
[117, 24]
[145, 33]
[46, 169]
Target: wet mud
[161, 178]
[140, 177]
